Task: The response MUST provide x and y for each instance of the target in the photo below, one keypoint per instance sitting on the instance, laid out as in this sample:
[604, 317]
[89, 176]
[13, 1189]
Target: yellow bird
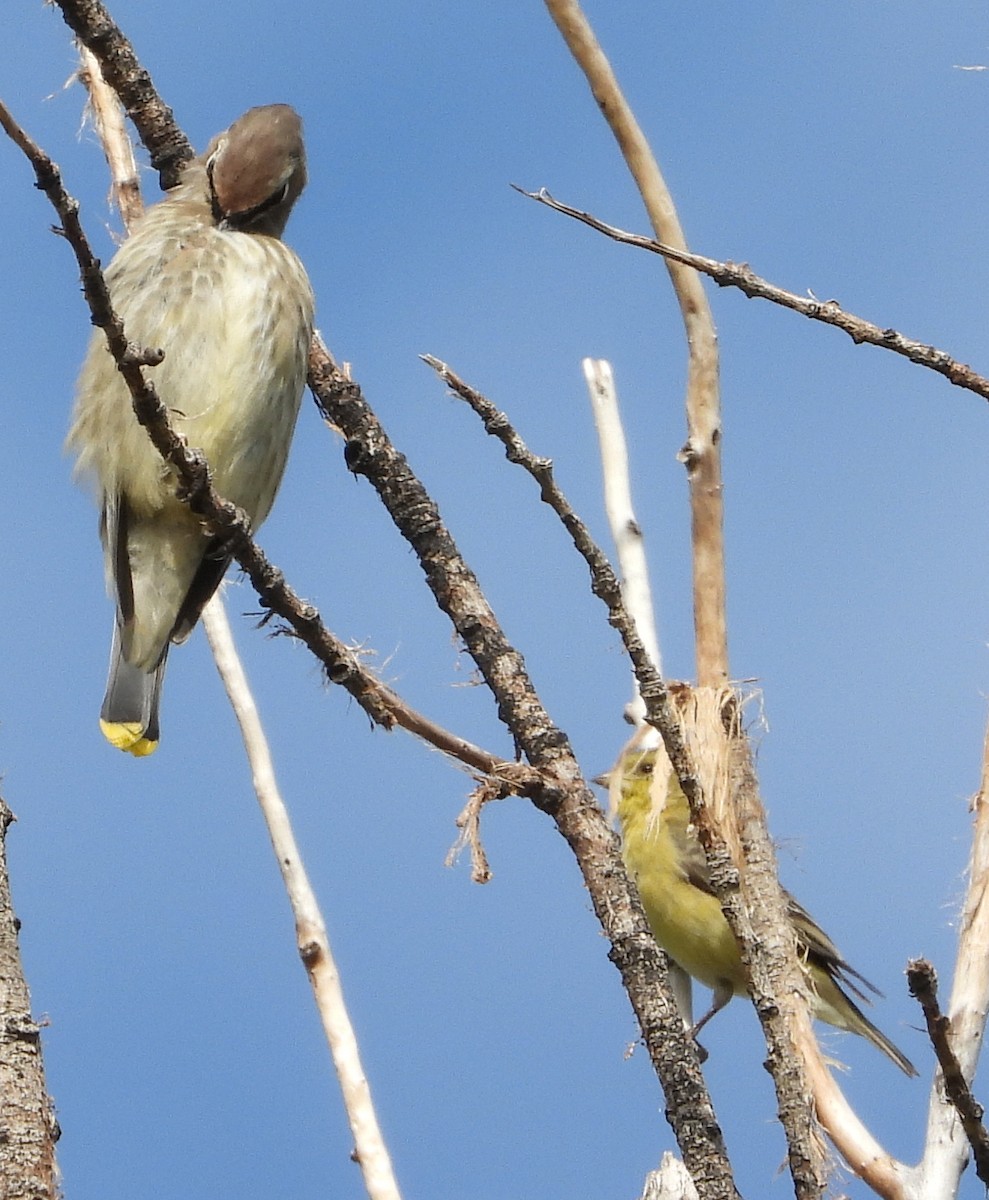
[665, 858]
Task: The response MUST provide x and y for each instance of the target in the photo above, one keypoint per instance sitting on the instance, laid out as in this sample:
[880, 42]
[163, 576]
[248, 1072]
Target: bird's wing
[207, 579]
[693, 862]
[813, 942]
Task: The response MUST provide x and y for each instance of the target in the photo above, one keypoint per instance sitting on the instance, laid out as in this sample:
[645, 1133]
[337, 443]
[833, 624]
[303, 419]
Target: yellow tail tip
[129, 736]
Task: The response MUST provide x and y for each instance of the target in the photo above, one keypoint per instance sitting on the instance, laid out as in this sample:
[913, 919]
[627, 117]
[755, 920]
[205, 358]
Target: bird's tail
[836, 1007]
[882, 1042]
[129, 716]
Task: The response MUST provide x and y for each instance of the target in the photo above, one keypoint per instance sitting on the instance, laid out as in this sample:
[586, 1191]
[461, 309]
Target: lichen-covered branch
[753, 904]
[605, 584]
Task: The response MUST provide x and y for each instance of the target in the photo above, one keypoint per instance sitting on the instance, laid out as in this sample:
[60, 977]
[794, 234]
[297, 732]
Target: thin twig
[830, 312]
[946, 1147]
[312, 940]
[636, 589]
[922, 981]
[660, 710]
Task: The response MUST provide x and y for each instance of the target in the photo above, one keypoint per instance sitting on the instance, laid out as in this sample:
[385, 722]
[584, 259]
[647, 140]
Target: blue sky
[835, 148]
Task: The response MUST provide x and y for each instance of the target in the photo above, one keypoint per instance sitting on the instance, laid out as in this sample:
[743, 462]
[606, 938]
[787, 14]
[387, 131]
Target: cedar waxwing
[205, 278]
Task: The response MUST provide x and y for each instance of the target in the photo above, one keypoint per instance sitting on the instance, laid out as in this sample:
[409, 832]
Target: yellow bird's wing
[819, 950]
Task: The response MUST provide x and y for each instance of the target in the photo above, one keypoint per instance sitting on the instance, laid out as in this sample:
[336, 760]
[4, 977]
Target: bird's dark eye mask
[241, 220]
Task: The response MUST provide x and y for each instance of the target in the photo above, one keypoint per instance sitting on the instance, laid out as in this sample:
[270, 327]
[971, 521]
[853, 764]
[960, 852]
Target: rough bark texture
[565, 797]
[28, 1130]
[167, 144]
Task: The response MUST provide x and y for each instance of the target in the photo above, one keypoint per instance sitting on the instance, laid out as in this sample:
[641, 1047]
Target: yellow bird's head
[642, 794]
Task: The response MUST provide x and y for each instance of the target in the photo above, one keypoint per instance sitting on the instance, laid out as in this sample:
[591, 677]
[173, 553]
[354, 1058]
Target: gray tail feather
[879, 1039]
[133, 694]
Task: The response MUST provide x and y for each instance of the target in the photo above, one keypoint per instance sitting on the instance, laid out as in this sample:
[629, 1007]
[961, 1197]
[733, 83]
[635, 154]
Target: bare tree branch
[946, 1146]
[166, 143]
[27, 1118]
[761, 928]
[661, 711]
[764, 942]
[604, 582]
[636, 587]
[566, 797]
[885, 1175]
[312, 940]
[859, 1148]
[922, 980]
[830, 312]
[625, 530]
